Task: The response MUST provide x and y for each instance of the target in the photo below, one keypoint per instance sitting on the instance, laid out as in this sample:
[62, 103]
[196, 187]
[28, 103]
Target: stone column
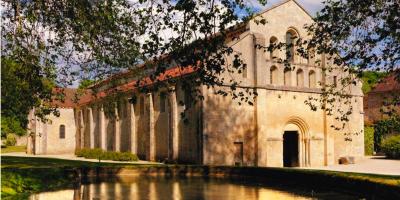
[151, 154]
[133, 141]
[174, 123]
[31, 126]
[82, 128]
[259, 59]
[38, 136]
[91, 127]
[117, 130]
[103, 137]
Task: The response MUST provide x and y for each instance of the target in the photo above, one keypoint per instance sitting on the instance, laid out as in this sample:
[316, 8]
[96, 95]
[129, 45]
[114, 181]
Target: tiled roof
[64, 97]
[75, 97]
[388, 84]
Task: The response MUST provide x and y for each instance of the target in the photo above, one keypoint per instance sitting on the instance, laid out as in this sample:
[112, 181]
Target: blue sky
[312, 6]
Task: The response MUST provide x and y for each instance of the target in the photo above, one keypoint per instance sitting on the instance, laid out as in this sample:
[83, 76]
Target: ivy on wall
[369, 140]
[384, 128]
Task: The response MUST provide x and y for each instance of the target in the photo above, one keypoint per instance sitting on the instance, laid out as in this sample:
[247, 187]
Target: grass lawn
[10, 149]
[12, 162]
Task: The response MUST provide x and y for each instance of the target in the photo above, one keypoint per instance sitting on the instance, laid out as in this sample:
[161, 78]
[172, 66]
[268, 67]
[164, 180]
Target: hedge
[369, 140]
[100, 154]
[391, 146]
[385, 128]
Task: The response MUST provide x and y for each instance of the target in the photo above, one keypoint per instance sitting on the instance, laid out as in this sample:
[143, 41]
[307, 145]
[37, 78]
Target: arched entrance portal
[291, 149]
[296, 143]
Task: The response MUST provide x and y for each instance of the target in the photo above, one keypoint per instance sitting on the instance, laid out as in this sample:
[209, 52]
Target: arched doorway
[290, 149]
[296, 143]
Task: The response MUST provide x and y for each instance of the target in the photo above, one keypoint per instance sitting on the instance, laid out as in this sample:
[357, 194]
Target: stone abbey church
[278, 130]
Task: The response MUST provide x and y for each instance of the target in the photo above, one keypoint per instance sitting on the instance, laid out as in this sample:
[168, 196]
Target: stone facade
[278, 130]
[48, 137]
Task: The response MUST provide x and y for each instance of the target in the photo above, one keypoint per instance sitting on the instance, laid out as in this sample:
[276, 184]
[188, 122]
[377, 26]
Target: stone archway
[291, 149]
[297, 125]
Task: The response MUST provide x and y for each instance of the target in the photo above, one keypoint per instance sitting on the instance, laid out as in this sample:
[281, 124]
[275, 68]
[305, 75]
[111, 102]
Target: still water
[161, 188]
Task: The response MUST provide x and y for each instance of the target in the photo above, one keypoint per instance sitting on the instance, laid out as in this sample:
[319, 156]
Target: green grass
[10, 149]
[29, 162]
[369, 140]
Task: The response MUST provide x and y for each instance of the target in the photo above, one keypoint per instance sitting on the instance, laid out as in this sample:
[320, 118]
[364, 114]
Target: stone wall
[280, 104]
[147, 128]
[46, 136]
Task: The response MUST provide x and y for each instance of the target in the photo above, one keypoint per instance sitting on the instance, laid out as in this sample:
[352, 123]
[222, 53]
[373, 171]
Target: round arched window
[62, 131]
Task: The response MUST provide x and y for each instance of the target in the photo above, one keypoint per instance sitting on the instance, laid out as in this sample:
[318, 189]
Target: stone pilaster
[174, 124]
[103, 137]
[30, 132]
[82, 129]
[151, 154]
[38, 136]
[133, 141]
[117, 130]
[91, 126]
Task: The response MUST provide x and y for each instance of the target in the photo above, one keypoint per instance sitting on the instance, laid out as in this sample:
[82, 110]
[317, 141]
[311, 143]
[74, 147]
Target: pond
[162, 188]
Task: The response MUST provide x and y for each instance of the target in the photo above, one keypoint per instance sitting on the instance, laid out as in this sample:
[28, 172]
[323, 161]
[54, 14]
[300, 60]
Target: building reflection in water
[128, 188]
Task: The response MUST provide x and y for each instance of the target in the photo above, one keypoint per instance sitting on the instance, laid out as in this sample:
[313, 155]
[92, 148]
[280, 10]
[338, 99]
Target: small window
[273, 75]
[311, 57]
[300, 78]
[238, 153]
[291, 37]
[272, 45]
[311, 79]
[162, 102]
[335, 81]
[244, 71]
[188, 99]
[287, 76]
[141, 105]
[62, 131]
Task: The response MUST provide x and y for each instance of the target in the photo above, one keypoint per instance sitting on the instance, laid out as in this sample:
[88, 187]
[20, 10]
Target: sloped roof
[284, 2]
[75, 98]
[64, 97]
[388, 84]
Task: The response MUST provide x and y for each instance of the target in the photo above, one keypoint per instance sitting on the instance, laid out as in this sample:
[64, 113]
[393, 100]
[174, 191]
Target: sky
[312, 6]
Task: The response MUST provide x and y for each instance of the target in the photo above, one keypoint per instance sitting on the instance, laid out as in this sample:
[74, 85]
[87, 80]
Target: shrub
[10, 140]
[391, 146]
[119, 156]
[105, 155]
[89, 153]
[385, 128]
[369, 140]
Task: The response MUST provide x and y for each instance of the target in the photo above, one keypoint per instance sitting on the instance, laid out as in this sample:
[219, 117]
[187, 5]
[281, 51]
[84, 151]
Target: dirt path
[370, 165]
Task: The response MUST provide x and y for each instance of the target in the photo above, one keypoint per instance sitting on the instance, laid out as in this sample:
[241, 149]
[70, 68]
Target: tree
[22, 88]
[97, 39]
[85, 83]
[370, 78]
[62, 41]
[355, 36]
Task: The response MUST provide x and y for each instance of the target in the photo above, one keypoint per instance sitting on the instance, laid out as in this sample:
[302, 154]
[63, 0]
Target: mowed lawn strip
[29, 162]
[10, 149]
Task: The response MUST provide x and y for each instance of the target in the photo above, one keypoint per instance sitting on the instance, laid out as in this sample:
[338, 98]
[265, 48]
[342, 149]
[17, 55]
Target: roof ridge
[283, 2]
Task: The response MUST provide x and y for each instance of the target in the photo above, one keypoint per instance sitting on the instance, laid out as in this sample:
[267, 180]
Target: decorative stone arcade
[88, 136]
